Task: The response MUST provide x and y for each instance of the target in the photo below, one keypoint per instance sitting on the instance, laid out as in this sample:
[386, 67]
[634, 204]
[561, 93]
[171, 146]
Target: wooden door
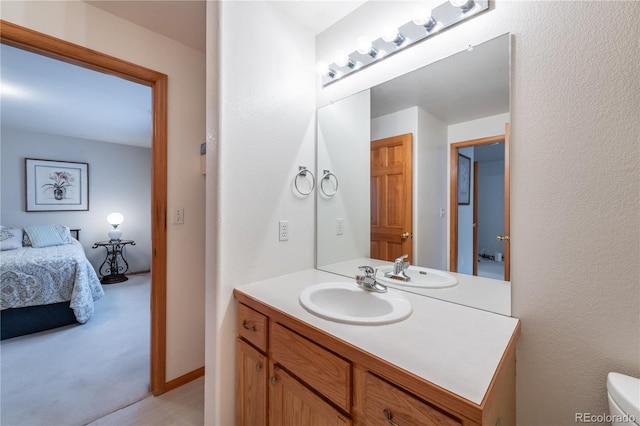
[292, 404]
[391, 197]
[251, 386]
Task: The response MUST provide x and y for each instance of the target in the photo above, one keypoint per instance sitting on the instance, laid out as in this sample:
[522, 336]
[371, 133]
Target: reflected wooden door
[391, 197]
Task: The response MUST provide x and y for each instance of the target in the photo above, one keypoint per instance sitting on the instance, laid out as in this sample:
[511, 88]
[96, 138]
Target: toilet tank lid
[625, 391]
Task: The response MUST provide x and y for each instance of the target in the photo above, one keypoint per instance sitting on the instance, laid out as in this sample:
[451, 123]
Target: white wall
[465, 221]
[575, 184]
[344, 148]
[125, 188]
[490, 205]
[267, 128]
[429, 179]
[80, 23]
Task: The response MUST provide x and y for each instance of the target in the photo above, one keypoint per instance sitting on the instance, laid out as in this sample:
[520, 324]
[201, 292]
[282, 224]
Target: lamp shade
[115, 218]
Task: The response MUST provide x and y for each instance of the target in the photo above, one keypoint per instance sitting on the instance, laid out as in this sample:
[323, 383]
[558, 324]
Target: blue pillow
[44, 236]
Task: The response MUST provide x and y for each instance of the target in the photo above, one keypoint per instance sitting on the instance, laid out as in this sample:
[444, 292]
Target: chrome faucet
[368, 280]
[399, 268]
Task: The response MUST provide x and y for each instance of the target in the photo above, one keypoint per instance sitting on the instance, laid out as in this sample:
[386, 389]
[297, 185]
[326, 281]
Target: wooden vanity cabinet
[315, 379]
[292, 403]
[251, 385]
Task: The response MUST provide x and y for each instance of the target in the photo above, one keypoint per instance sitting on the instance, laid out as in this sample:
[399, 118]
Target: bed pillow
[10, 238]
[46, 235]
[65, 234]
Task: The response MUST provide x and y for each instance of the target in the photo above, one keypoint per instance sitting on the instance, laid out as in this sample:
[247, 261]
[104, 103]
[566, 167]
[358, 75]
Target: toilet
[624, 399]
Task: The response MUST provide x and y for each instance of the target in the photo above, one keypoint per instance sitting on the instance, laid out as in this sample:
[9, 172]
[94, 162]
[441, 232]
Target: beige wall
[575, 185]
[79, 23]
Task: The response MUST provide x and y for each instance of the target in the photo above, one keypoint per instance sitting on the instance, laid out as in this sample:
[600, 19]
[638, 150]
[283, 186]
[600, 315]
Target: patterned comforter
[41, 276]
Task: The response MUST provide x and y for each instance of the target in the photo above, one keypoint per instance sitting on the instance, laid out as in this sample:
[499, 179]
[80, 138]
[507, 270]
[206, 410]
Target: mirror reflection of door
[479, 233]
[391, 198]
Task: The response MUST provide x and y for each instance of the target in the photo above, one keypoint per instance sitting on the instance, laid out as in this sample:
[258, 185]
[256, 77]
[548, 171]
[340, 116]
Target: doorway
[473, 226]
[26, 39]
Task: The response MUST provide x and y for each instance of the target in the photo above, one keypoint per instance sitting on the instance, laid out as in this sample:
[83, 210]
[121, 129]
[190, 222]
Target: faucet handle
[401, 258]
[368, 270]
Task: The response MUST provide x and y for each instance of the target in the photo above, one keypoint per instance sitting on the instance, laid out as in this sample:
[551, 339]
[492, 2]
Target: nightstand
[115, 263]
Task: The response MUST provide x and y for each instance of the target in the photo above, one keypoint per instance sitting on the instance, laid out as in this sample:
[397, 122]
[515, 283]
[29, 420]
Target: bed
[46, 280]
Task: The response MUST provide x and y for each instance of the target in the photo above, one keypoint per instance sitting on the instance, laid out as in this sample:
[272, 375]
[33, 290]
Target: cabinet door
[292, 404]
[251, 383]
[385, 405]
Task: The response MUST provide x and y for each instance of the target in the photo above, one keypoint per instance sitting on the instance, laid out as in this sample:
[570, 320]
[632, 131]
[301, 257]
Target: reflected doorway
[479, 207]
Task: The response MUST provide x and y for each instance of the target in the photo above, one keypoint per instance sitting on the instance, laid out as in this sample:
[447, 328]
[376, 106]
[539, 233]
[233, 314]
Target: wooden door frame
[453, 196]
[33, 41]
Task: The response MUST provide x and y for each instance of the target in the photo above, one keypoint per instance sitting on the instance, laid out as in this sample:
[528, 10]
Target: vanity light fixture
[425, 24]
[464, 5]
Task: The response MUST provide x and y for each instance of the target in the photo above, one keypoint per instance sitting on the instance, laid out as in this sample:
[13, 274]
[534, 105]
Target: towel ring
[325, 177]
[302, 171]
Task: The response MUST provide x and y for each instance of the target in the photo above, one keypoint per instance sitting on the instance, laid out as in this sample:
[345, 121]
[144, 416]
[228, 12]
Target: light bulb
[323, 69]
[464, 5]
[365, 47]
[343, 60]
[390, 34]
[421, 15]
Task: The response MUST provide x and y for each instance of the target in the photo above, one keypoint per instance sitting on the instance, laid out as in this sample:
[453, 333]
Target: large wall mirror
[418, 165]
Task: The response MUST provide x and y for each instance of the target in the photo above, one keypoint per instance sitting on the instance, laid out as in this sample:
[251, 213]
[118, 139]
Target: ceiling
[466, 86]
[49, 96]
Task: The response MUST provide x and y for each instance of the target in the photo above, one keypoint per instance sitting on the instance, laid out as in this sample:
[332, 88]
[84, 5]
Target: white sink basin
[346, 302]
[420, 278]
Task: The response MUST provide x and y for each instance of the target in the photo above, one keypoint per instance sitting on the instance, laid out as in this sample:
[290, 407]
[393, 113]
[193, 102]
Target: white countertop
[482, 293]
[455, 347]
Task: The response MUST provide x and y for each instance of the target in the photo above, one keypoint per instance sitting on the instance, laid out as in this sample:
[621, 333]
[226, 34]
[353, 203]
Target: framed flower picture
[56, 185]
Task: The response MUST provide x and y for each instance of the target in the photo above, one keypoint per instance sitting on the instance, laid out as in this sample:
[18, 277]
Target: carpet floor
[76, 374]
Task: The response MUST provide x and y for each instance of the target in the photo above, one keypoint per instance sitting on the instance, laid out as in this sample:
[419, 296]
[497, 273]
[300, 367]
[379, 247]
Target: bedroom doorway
[26, 39]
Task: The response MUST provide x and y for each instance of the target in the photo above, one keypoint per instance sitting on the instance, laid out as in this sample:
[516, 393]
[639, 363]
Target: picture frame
[464, 180]
[56, 185]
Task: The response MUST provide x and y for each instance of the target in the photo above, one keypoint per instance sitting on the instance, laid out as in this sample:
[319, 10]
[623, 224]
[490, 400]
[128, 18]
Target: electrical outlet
[178, 216]
[283, 230]
[339, 226]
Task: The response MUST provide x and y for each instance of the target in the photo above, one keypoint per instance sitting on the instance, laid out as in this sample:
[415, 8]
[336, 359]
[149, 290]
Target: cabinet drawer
[385, 403]
[320, 369]
[252, 326]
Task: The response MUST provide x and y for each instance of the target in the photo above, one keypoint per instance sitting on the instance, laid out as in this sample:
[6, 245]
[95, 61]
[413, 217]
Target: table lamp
[115, 219]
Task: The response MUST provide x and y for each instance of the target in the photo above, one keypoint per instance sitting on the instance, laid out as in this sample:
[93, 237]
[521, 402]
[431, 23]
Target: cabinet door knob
[258, 367]
[246, 326]
[502, 238]
[389, 416]
[273, 380]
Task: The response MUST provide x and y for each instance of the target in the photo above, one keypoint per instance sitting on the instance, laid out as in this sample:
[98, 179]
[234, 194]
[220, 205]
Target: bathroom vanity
[444, 365]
